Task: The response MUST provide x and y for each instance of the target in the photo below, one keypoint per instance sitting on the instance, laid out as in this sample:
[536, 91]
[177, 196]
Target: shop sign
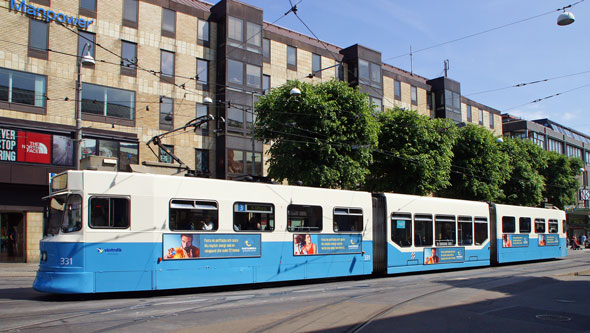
[34, 147]
[7, 145]
[49, 15]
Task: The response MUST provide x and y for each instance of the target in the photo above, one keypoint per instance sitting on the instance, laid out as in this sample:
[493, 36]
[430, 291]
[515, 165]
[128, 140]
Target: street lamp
[565, 18]
[295, 92]
[87, 59]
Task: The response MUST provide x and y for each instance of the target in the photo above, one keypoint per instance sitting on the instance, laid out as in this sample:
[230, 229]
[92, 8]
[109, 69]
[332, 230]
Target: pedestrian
[583, 241]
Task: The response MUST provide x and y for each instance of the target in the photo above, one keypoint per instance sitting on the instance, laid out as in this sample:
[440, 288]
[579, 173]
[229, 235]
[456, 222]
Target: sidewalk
[18, 269]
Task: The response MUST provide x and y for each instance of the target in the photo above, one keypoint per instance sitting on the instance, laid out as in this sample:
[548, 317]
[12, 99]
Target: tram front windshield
[65, 214]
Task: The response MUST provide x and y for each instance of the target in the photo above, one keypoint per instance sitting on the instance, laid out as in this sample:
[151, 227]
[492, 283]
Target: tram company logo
[108, 250]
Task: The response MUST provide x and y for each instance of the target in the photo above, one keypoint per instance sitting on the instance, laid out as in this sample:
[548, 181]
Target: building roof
[563, 130]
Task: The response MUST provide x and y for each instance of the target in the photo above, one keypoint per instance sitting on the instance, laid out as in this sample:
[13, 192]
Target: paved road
[549, 296]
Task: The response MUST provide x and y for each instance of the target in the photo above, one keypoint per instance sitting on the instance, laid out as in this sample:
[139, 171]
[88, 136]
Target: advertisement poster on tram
[443, 255]
[308, 244]
[209, 246]
[515, 240]
[548, 240]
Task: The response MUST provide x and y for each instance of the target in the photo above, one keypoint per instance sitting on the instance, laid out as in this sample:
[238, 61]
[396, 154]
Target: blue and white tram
[129, 231]
[527, 233]
[426, 233]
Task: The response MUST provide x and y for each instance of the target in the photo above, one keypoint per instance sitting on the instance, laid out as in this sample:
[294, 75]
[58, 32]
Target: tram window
[108, 212]
[465, 228]
[422, 230]
[539, 226]
[446, 230]
[254, 217]
[524, 225]
[186, 215]
[401, 229]
[508, 224]
[480, 230]
[304, 218]
[553, 226]
[348, 219]
[55, 214]
[72, 220]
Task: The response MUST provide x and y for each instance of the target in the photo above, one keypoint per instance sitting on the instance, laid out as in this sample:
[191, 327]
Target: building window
[538, 139]
[202, 161]
[202, 111]
[86, 43]
[364, 70]
[253, 37]
[128, 154]
[554, 145]
[253, 76]
[235, 118]
[203, 32]
[377, 103]
[257, 163]
[164, 156]
[235, 161]
[130, 10]
[266, 49]
[316, 64]
[292, 57]
[108, 102]
[166, 66]
[22, 88]
[469, 114]
[587, 160]
[166, 113]
[491, 120]
[397, 90]
[235, 30]
[38, 39]
[375, 74]
[203, 72]
[414, 93]
[168, 23]
[235, 72]
[265, 84]
[572, 151]
[88, 8]
[129, 58]
[480, 116]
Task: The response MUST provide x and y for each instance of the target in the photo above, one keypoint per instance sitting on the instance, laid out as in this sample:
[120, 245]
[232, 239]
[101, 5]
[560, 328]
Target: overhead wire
[485, 31]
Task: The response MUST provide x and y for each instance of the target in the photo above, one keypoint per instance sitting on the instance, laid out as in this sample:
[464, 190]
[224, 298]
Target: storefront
[30, 152]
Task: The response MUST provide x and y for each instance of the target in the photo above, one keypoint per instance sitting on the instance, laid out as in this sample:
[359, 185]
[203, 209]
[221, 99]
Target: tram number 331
[66, 261]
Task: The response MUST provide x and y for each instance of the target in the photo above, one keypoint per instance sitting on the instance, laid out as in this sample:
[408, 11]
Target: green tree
[480, 168]
[560, 174]
[324, 137]
[526, 184]
[415, 153]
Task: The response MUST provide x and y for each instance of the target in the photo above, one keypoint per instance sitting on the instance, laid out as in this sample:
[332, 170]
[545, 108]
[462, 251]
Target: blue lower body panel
[531, 252]
[447, 258]
[113, 267]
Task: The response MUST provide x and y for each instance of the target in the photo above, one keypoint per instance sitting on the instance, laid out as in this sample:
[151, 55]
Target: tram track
[209, 304]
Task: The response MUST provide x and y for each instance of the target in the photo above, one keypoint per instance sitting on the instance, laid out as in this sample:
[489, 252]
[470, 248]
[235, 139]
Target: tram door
[12, 237]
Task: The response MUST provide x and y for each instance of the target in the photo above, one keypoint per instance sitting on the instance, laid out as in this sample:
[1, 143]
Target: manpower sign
[49, 15]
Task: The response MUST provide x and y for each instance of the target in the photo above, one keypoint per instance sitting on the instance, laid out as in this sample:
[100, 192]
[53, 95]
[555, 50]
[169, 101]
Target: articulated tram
[116, 231]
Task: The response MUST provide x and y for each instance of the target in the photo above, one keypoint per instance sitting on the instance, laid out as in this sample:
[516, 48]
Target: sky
[531, 50]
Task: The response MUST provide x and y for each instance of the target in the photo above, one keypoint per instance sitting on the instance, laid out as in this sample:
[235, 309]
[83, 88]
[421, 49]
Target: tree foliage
[323, 137]
[415, 153]
[480, 168]
[526, 184]
[560, 174]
